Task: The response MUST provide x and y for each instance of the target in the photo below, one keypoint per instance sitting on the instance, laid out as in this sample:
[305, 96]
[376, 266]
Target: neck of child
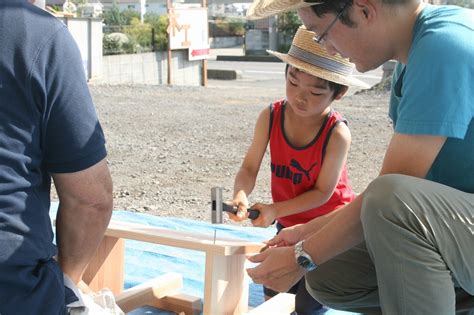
[309, 120]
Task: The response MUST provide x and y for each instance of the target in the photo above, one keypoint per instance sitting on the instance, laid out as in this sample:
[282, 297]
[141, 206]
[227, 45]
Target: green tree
[139, 35]
[287, 24]
[113, 17]
[128, 15]
[236, 26]
[160, 24]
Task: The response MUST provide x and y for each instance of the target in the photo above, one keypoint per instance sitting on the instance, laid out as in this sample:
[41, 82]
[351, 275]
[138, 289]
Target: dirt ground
[167, 146]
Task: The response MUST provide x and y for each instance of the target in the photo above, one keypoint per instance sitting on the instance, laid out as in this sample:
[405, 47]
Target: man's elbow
[105, 205]
[100, 203]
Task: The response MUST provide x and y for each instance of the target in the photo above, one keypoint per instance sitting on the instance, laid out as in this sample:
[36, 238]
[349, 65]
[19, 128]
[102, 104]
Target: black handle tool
[253, 213]
[219, 206]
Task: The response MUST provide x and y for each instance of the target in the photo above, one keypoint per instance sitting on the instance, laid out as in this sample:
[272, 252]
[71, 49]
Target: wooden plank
[226, 285]
[189, 240]
[148, 292]
[180, 303]
[280, 304]
[106, 268]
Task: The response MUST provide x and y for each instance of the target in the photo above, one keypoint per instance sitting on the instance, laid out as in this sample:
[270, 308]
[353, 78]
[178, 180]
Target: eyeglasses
[320, 39]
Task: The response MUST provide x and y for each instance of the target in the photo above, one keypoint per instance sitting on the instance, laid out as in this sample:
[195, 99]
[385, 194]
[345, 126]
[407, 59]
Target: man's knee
[321, 290]
[330, 296]
[333, 290]
[381, 195]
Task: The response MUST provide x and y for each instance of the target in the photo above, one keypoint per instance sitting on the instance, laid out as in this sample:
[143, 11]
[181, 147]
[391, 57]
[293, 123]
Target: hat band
[320, 61]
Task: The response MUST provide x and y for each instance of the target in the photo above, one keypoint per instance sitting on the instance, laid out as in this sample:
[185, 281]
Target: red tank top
[295, 170]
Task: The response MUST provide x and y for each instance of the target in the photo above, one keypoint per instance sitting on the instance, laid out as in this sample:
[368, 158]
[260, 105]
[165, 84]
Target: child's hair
[336, 88]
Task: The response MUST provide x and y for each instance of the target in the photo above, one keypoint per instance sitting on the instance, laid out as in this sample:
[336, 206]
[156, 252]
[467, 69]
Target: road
[266, 74]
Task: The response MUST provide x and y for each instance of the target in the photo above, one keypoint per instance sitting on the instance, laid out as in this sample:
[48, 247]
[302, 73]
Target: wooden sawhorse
[226, 285]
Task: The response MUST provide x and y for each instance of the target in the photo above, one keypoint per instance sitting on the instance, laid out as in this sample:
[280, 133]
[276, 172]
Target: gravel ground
[169, 145]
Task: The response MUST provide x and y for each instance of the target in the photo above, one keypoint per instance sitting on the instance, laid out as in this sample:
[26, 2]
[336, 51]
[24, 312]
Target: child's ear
[341, 93]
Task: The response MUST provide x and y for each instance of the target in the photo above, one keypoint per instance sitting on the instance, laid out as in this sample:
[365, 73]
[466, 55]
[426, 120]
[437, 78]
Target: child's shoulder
[277, 105]
[336, 116]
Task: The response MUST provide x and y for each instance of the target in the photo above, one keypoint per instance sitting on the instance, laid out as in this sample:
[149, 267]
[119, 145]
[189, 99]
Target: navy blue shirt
[48, 124]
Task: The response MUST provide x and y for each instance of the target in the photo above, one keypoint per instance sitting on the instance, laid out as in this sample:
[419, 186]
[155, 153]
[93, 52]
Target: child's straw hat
[265, 8]
[310, 57]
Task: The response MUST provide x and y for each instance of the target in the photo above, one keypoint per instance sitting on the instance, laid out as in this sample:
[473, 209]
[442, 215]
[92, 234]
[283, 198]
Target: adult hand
[288, 236]
[267, 215]
[277, 270]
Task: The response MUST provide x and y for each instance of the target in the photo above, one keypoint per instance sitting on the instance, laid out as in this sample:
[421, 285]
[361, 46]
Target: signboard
[188, 29]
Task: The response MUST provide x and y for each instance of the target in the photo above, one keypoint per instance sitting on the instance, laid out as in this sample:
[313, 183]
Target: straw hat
[265, 8]
[310, 57]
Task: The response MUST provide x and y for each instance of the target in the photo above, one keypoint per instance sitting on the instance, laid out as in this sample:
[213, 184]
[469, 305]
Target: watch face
[303, 262]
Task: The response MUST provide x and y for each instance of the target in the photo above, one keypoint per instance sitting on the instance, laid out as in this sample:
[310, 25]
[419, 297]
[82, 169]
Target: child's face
[307, 95]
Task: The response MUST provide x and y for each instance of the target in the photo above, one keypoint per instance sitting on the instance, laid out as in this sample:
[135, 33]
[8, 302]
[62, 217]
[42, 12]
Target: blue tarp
[160, 259]
[144, 261]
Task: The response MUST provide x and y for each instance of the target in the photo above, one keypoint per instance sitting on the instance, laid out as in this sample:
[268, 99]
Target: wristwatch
[303, 258]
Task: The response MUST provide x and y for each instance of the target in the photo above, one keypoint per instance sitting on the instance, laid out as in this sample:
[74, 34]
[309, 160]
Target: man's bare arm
[85, 208]
[407, 155]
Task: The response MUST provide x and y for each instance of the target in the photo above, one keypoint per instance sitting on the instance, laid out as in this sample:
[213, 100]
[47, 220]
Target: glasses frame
[320, 39]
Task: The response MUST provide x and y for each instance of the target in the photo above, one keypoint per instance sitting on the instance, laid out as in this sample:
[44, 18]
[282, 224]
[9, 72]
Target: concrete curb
[218, 74]
[259, 58]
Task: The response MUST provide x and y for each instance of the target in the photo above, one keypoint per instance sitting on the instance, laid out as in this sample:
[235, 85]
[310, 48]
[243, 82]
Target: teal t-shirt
[433, 94]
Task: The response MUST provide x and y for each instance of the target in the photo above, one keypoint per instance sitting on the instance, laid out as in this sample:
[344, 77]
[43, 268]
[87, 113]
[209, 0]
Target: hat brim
[319, 72]
[264, 8]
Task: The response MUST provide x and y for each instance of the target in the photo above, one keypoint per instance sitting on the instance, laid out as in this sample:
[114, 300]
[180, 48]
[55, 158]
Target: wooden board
[189, 240]
[150, 291]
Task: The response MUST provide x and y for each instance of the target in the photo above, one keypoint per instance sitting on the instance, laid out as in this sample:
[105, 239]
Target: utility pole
[272, 33]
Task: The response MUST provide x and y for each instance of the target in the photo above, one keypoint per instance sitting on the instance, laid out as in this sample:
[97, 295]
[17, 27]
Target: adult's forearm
[317, 223]
[342, 232]
[80, 230]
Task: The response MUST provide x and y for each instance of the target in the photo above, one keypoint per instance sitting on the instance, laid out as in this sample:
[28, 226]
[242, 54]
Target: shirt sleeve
[436, 87]
[72, 137]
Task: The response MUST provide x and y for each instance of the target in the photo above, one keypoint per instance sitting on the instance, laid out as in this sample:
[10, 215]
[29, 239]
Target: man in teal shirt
[406, 244]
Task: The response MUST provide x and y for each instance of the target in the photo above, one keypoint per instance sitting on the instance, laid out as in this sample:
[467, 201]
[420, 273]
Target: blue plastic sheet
[160, 259]
[144, 261]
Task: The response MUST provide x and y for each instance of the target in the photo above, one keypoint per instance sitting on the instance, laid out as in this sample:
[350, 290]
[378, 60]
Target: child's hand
[287, 237]
[241, 202]
[267, 215]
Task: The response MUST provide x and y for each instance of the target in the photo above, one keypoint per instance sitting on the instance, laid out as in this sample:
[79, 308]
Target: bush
[113, 43]
[139, 35]
[223, 26]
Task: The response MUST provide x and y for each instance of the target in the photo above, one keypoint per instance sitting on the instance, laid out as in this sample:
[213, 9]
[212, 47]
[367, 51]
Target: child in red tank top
[308, 143]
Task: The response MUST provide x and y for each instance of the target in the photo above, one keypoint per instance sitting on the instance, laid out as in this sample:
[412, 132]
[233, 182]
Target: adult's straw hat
[310, 57]
[265, 8]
